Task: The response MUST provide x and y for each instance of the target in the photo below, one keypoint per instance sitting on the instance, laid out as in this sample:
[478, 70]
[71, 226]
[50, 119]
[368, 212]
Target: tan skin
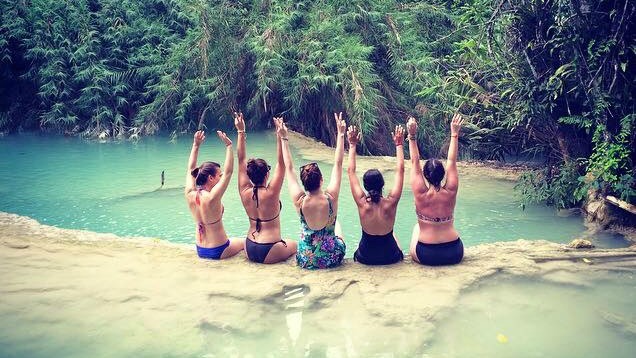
[211, 208]
[268, 199]
[376, 218]
[314, 204]
[429, 201]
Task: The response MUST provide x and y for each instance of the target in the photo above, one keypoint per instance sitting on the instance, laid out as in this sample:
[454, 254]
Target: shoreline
[108, 277]
[311, 149]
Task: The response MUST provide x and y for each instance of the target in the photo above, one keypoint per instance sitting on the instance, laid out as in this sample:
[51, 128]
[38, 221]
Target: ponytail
[375, 195]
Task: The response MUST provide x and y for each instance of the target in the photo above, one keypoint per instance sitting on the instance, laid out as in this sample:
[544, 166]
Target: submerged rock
[581, 244]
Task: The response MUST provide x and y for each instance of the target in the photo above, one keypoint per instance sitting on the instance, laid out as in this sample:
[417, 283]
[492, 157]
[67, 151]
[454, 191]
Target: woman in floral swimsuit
[321, 244]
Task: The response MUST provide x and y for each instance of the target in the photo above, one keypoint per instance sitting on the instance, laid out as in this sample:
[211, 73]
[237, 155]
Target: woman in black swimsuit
[261, 200]
[378, 245]
[435, 241]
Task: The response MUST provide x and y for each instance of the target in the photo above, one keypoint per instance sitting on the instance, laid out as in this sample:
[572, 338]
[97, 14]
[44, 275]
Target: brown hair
[257, 170]
[204, 171]
[311, 176]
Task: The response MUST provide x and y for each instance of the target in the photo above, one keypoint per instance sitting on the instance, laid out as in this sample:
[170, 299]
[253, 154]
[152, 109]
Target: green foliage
[551, 80]
[557, 186]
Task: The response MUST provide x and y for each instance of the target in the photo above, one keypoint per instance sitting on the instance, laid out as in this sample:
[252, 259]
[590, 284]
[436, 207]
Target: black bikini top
[259, 221]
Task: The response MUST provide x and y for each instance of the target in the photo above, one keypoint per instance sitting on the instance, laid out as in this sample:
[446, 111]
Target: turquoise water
[592, 316]
[114, 187]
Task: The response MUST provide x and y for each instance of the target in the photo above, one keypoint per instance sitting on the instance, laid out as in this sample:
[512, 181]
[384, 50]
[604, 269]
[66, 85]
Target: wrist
[241, 131]
[399, 144]
[411, 137]
[455, 135]
[284, 138]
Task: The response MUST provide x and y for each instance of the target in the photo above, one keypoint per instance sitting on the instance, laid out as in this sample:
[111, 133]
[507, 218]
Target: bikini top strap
[330, 204]
[302, 201]
[197, 199]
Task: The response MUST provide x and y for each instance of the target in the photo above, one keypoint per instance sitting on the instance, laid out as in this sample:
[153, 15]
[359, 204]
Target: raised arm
[295, 190]
[354, 136]
[336, 174]
[199, 137]
[417, 178]
[228, 167]
[243, 179]
[398, 139]
[276, 182]
[452, 178]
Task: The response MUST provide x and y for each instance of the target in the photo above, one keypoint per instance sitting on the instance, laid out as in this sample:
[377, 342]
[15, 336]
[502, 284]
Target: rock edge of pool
[107, 269]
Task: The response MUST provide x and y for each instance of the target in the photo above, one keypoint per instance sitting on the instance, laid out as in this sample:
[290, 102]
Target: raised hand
[223, 137]
[411, 127]
[398, 135]
[456, 124]
[340, 123]
[239, 122]
[278, 123]
[353, 136]
[281, 128]
[199, 137]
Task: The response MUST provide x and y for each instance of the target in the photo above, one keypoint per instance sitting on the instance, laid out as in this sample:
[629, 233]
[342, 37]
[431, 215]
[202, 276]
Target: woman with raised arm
[264, 243]
[321, 245]
[435, 241]
[204, 188]
[378, 245]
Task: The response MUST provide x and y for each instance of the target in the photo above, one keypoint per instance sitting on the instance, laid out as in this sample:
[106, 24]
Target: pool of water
[593, 316]
[115, 187]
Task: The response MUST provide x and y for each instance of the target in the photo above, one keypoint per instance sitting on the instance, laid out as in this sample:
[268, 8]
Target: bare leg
[279, 252]
[236, 245]
[414, 239]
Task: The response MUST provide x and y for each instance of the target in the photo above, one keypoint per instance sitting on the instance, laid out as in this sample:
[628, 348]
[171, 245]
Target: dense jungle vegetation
[552, 79]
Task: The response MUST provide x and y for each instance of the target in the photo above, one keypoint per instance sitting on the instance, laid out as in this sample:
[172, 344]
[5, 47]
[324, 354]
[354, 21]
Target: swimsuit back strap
[201, 224]
[197, 199]
[330, 204]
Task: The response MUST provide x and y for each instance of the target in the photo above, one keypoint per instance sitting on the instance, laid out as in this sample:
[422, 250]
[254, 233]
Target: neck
[315, 192]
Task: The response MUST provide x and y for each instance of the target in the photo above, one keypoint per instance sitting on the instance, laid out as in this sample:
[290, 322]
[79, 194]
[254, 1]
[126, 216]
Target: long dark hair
[434, 173]
[206, 169]
[373, 184]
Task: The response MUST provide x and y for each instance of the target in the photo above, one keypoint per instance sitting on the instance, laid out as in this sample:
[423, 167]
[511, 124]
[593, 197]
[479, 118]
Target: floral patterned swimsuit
[318, 249]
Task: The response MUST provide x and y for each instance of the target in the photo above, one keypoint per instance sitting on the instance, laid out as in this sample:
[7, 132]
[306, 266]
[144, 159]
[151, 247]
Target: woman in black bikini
[261, 200]
[435, 241]
[204, 188]
[378, 245]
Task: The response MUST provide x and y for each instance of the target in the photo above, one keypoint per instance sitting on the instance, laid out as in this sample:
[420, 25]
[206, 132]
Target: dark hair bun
[373, 183]
[195, 172]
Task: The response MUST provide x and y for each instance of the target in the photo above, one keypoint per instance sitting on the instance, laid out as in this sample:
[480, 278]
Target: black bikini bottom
[448, 253]
[257, 252]
[378, 250]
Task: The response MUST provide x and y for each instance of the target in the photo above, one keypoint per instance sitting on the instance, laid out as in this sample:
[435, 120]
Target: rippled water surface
[115, 187]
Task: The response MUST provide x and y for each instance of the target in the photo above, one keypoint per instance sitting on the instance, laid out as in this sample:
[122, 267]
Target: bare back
[315, 209]
[436, 205]
[378, 218]
[268, 211]
[208, 214]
